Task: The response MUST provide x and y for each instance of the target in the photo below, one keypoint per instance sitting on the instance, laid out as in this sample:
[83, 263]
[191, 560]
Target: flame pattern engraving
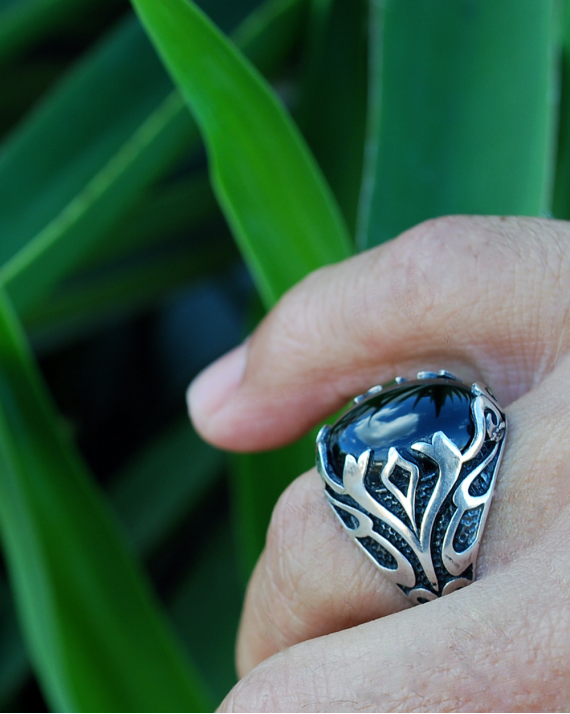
[422, 526]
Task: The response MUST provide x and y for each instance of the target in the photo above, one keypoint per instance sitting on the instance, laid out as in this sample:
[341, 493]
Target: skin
[322, 630]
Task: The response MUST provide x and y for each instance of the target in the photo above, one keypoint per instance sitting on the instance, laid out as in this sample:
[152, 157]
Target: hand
[487, 299]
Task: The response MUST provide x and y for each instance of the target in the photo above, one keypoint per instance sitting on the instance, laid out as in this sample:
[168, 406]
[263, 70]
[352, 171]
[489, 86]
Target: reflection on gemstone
[400, 416]
[383, 427]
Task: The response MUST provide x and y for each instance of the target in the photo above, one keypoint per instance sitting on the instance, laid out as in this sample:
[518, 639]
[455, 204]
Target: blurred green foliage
[141, 161]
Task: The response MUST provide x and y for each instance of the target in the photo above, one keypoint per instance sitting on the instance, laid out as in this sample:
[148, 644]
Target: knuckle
[418, 286]
[310, 573]
[289, 518]
[297, 312]
[495, 267]
[285, 566]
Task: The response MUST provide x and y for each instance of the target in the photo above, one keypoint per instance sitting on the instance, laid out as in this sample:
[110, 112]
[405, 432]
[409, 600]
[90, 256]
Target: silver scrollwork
[432, 552]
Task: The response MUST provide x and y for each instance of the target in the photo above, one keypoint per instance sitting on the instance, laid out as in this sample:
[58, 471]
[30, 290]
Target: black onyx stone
[400, 416]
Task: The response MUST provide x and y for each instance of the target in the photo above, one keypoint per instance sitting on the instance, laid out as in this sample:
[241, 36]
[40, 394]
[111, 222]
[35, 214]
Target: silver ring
[410, 470]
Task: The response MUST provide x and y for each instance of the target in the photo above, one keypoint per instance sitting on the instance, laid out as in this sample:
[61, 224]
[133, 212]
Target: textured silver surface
[424, 559]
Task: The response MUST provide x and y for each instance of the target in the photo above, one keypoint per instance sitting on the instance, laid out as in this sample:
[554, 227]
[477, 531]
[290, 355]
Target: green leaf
[24, 21]
[462, 117]
[206, 610]
[281, 212]
[95, 634]
[21, 87]
[99, 143]
[75, 132]
[332, 111]
[162, 484]
[14, 668]
[128, 128]
[115, 291]
[561, 191]
[174, 208]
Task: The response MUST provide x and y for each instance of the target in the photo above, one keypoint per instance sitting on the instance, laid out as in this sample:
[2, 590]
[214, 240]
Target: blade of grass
[280, 209]
[128, 129]
[76, 131]
[97, 639]
[462, 120]
[63, 243]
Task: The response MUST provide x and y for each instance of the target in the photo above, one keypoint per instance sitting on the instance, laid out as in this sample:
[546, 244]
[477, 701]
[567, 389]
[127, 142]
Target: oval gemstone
[400, 416]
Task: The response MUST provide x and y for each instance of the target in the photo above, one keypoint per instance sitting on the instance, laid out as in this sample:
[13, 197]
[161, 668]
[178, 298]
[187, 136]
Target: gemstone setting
[410, 472]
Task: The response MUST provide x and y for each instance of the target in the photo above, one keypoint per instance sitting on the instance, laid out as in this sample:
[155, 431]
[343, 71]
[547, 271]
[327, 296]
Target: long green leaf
[332, 111]
[97, 143]
[24, 21]
[281, 211]
[21, 87]
[97, 639]
[279, 207]
[561, 191]
[128, 128]
[158, 488]
[206, 609]
[163, 483]
[115, 291]
[463, 115]
[175, 208]
[14, 667]
[75, 132]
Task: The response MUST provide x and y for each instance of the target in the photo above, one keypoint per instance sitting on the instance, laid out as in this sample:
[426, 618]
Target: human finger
[501, 644]
[478, 296]
[311, 579]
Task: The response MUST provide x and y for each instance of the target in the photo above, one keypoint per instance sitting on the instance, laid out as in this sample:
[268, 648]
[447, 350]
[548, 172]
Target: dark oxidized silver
[419, 510]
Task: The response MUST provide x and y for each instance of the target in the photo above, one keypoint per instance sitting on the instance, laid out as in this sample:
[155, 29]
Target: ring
[410, 470]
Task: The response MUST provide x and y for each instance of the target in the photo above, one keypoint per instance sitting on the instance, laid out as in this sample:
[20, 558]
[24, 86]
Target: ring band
[410, 470]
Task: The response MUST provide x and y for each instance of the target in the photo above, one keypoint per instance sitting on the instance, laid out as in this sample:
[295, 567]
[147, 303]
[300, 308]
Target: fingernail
[213, 387]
